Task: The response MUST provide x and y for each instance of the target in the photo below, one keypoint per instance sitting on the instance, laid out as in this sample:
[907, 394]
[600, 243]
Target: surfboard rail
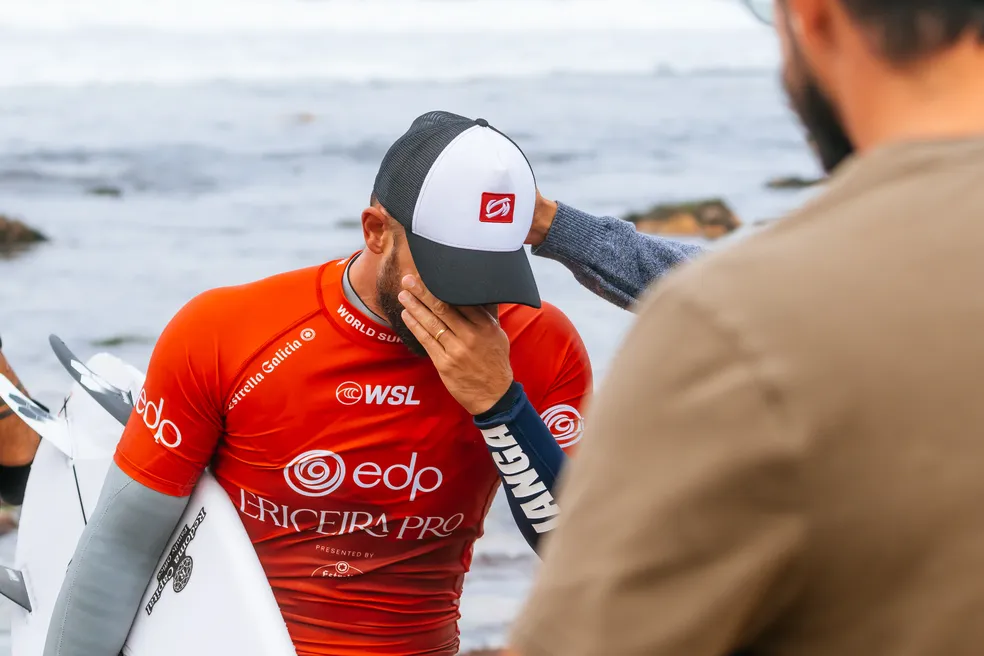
[209, 593]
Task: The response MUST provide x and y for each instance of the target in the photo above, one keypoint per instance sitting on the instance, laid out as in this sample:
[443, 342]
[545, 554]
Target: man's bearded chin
[819, 116]
[387, 291]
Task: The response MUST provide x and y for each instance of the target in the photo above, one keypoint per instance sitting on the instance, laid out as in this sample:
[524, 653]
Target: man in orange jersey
[361, 476]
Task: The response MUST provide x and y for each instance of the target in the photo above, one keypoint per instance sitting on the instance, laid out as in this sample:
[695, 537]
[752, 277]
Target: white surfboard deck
[209, 594]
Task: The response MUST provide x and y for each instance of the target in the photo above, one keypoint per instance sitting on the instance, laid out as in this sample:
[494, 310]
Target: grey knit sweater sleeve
[608, 256]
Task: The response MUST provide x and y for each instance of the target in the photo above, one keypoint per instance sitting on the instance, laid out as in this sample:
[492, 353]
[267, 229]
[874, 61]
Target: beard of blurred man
[817, 113]
[388, 288]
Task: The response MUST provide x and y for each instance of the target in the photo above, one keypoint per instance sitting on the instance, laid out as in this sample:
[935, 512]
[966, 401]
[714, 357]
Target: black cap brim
[460, 276]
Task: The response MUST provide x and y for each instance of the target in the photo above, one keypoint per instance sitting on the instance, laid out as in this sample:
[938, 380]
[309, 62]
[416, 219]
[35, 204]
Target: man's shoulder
[550, 360]
[521, 322]
[298, 283]
[543, 342]
[237, 320]
[257, 298]
[773, 266]
[788, 292]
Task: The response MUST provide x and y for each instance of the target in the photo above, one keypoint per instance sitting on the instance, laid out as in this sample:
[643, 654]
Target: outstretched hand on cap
[543, 217]
[466, 345]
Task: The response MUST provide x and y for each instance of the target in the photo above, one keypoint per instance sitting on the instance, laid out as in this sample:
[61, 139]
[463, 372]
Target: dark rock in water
[710, 218]
[793, 182]
[110, 192]
[120, 340]
[15, 235]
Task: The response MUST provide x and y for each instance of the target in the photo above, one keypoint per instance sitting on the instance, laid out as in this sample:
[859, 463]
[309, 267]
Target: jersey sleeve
[175, 426]
[567, 392]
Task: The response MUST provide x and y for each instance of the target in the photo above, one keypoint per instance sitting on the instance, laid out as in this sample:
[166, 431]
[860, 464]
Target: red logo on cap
[497, 208]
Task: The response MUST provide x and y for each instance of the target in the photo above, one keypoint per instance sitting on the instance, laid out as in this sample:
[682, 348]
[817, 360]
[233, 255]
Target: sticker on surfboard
[115, 401]
[216, 568]
[13, 587]
[178, 565]
[41, 421]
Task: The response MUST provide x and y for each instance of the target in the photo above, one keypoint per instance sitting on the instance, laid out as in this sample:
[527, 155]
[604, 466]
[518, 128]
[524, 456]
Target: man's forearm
[528, 460]
[113, 563]
[18, 443]
[608, 256]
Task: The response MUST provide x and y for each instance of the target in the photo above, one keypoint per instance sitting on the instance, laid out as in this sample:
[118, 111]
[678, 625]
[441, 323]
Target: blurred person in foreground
[786, 455]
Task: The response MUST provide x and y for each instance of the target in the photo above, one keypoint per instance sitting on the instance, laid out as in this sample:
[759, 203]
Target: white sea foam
[71, 43]
[382, 15]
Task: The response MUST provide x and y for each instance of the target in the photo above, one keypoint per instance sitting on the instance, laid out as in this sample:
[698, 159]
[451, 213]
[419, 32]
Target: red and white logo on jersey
[165, 431]
[497, 208]
[315, 473]
[341, 569]
[565, 424]
[320, 472]
[349, 393]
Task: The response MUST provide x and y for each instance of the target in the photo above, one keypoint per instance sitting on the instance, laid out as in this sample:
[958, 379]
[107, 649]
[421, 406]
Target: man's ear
[374, 228]
[814, 26]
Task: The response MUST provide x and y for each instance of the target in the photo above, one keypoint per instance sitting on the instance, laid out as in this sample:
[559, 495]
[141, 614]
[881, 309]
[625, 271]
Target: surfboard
[209, 594]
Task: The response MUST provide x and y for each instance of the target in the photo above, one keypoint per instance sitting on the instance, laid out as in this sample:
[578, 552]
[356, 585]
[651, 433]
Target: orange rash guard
[361, 482]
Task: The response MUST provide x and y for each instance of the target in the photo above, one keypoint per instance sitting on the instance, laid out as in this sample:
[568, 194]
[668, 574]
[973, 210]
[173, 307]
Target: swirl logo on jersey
[315, 473]
[349, 393]
[565, 424]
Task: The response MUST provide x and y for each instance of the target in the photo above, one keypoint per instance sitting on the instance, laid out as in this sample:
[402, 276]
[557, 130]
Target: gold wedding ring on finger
[437, 337]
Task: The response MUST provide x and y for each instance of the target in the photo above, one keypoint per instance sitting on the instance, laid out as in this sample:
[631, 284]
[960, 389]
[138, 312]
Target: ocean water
[244, 135]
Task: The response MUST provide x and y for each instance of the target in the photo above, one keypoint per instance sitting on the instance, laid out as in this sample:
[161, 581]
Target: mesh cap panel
[406, 164]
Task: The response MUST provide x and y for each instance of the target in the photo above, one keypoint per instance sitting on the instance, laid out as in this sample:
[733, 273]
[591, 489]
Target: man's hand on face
[466, 345]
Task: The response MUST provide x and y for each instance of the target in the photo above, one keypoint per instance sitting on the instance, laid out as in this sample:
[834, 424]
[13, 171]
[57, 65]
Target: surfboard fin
[39, 419]
[116, 402]
[12, 587]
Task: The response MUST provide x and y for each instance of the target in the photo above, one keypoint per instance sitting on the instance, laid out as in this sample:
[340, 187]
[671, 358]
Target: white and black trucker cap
[465, 194]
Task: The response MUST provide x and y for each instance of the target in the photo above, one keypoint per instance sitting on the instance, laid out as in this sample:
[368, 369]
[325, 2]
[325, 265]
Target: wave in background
[71, 43]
